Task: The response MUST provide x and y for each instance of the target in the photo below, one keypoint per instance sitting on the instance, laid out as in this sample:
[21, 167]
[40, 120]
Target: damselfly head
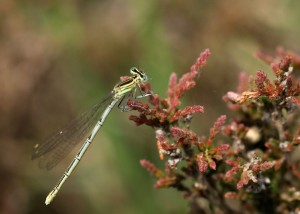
[139, 73]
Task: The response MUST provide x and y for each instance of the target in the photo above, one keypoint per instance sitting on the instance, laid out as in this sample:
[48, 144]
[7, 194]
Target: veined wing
[57, 147]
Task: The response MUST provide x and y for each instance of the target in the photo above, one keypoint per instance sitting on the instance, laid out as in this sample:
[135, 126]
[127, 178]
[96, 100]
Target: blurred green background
[57, 58]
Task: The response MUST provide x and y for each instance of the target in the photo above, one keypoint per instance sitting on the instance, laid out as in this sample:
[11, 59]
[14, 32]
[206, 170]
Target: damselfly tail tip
[50, 197]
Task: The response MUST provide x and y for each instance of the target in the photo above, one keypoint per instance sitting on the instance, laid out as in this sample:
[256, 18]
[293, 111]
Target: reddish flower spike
[222, 148]
[216, 128]
[285, 63]
[189, 110]
[260, 80]
[263, 166]
[201, 60]
[164, 182]
[212, 164]
[202, 163]
[231, 172]
[276, 69]
[185, 135]
[151, 168]
[186, 82]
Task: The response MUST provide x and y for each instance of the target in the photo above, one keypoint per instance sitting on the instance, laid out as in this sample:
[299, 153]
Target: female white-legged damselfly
[60, 144]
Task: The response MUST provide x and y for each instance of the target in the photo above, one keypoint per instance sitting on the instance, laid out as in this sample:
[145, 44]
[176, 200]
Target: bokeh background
[57, 58]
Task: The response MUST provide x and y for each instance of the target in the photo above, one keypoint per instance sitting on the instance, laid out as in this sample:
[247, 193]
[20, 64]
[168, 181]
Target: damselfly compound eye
[139, 73]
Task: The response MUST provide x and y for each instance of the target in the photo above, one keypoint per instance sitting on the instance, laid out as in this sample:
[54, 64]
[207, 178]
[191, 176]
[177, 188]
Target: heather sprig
[188, 156]
[266, 125]
[253, 163]
[165, 112]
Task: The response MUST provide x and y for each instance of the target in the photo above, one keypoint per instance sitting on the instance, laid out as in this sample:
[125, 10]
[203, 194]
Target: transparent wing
[57, 147]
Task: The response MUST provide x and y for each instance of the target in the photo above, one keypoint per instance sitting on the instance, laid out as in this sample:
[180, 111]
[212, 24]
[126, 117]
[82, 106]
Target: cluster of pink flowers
[253, 160]
[165, 113]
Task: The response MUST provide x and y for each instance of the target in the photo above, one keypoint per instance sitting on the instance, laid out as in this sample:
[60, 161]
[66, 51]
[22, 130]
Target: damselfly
[60, 144]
